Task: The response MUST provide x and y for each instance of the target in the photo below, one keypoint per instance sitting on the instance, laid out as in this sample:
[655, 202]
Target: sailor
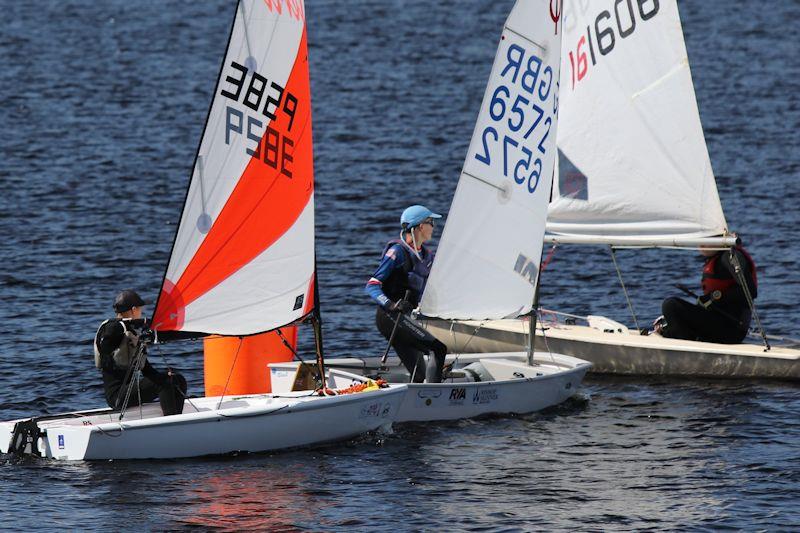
[119, 352]
[722, 313]
[404, 269]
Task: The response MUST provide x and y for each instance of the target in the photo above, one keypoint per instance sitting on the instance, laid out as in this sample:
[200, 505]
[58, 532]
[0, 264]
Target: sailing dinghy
[634, 172]
[242, 263]
[484, 268]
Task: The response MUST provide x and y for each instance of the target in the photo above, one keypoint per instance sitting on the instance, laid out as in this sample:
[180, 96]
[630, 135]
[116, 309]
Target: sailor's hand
[147, 336]
[401, 305]
[137, 323]
[707, 299]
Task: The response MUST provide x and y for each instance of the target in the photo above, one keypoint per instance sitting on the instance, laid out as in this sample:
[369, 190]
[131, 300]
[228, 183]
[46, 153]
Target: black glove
[401, 305]
[147, 335]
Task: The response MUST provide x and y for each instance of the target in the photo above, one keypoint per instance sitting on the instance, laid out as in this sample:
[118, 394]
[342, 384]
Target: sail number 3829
[262, 111]
[521, 119]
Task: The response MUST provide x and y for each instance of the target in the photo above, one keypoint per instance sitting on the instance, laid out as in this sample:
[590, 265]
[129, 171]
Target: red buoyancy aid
[712, 281]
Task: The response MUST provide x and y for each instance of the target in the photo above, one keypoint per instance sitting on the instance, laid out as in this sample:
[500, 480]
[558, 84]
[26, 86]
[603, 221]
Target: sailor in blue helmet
[405, 265]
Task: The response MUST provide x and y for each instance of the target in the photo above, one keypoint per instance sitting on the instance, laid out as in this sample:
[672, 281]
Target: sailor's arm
[374, 286]
[735, 296]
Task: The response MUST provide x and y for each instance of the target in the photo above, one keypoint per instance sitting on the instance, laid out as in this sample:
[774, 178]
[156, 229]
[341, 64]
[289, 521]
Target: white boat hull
[539, 388]
[517, 387]
[622, 352]
[252, 423]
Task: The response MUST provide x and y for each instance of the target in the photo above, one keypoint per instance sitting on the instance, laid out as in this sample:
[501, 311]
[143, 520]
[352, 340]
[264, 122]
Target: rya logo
[458, 394]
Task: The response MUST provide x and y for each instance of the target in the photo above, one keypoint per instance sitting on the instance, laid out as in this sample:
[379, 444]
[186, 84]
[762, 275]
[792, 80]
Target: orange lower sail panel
[242, 362]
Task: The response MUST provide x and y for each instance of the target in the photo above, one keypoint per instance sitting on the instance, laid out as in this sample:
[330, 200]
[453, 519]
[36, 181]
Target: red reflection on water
[260, 498]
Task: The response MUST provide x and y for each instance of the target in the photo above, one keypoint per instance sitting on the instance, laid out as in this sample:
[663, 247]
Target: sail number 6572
[521, 118]
[526, 170]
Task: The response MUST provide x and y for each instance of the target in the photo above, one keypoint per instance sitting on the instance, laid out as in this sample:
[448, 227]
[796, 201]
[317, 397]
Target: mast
[316, 321]
[532, 321]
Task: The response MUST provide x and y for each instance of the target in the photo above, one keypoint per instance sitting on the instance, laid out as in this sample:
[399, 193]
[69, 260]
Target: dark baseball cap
[126, 300]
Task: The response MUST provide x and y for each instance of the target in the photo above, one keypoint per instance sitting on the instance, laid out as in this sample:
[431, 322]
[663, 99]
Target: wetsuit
[726, 316]
[401, 270]
[116, 342]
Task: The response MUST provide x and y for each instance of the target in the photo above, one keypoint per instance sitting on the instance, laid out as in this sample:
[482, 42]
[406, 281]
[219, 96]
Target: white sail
[243, 257]
[488, 257]
[633, 163]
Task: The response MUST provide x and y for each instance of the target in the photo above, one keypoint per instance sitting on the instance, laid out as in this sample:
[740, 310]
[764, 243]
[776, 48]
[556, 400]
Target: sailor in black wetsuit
[405, 265]
[116, 345]
[722, 314]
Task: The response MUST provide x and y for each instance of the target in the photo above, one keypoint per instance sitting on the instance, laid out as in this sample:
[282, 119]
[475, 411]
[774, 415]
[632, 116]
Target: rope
[139, 395]
[474, 333]
[288, 345]
[624, 289]
[219, 404]
[544, 338]
[134, 371]
[549, 257]
[455, 360]
[737, 267]
[169, 365]
[469, 340]
[559, 313]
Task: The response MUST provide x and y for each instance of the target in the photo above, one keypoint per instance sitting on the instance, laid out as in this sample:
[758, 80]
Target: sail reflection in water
[259, 496]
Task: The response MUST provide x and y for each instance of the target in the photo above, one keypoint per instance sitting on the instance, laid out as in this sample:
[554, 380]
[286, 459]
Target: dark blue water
[102, 105]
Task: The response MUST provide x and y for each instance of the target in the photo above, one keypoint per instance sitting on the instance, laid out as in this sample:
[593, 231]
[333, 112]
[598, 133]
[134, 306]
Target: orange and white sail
[243, 257]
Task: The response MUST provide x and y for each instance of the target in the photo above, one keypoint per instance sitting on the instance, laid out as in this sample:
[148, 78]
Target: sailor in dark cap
[117, 348]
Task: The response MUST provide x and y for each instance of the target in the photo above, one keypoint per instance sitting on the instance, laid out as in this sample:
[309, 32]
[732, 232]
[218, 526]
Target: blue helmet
[415, 215]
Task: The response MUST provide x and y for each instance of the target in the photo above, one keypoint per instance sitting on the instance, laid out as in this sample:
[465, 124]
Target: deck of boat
[625, 352]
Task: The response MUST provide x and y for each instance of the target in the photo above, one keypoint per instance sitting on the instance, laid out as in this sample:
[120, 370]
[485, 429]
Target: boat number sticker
[265, 115]
[522, 107]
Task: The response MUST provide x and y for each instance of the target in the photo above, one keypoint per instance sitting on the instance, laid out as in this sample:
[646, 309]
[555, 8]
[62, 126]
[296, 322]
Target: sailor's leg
[412, 359]
[404, 343]
[149, 391]
[435, 367]
[683, 320]
[172, 394]
[146, 390]
[725, 330]
[418, 337]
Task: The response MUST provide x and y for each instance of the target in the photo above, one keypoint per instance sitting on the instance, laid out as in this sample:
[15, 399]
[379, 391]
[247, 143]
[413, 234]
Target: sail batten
[490, 249]
[633, 160]
[243, 258]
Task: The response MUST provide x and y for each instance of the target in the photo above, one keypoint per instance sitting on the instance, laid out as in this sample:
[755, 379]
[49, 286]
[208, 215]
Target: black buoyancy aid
[124, 355]
[717, 278]
[412, 277]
